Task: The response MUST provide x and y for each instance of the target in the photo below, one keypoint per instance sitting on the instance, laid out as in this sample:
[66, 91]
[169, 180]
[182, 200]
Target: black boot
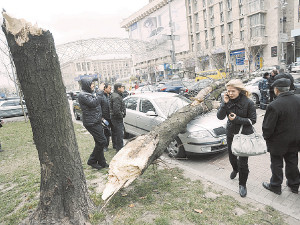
[243, 191]
[233, 174]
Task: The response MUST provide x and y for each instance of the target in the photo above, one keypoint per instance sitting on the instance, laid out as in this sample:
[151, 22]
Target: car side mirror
[151, 113]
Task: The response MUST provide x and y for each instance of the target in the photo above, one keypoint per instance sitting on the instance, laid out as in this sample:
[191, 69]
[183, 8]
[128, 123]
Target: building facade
[232, 35]
[240, 34]
[295, 33]
[105, 70]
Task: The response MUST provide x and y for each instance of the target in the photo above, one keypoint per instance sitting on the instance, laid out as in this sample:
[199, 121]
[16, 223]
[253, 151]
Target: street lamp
[283, 4]
[172, 38]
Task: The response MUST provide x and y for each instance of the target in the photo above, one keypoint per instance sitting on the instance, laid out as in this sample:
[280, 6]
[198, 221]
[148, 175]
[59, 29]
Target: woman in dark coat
[238, 108]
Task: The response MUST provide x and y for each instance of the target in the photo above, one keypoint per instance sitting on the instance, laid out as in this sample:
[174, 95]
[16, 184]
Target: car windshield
[169, 105]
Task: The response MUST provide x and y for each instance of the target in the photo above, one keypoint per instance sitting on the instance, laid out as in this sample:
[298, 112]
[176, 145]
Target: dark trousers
[239, 164]
[107, 134]
[263, 99]
[97, 155]
[272, 96]
[291, 170]
[117, 133]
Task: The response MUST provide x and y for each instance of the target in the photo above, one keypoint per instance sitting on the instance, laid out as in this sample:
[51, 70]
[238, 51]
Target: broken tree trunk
[135, 157]
[64, 197]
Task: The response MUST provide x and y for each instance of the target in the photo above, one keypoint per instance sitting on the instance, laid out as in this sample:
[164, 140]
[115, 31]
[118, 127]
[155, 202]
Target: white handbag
[248, 145]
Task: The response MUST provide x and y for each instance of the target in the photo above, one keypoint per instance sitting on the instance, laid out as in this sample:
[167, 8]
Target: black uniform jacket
[105, 105]
[244, 109]
[90, 105]
[117, 106]
[281, 125]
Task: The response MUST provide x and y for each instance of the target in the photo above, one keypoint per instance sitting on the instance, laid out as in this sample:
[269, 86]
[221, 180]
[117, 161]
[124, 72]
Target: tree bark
[135, 157]
[64, 195]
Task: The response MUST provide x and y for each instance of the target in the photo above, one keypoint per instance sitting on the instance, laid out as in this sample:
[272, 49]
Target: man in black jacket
[117, 112]
[271, 81]
[92, 118]
[105, 106]
[282, 74]
[281, 128]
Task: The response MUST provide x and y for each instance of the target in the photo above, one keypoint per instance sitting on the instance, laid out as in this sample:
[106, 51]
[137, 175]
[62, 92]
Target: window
[198, 37]
[257, 19]
[241, 9]
[83, 66]
[223, 40]
[78, 66]
[241, 23]
[229, 15]
[229, 4]
[230, 27]
[211, 12]
[222, 29]
[206, 34]
[204, 17]
[210, 2]
[256, 5]
[206, 44]
[212, 31]
[204, 3]
[242, 35]
[221, 6]
[195, 5]
[131, 103]
[146, 106]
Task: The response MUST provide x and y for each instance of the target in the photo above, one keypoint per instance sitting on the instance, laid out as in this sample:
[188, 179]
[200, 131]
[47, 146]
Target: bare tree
[64, 196]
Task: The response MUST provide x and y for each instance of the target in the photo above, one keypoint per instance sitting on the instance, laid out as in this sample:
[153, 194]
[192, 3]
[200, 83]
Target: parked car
[173, 86]
[193, 89]
[143, 89]
[252, 86]
[12, 108]
[204, 135]
[264, 69]
[295, 67]
[77, 110]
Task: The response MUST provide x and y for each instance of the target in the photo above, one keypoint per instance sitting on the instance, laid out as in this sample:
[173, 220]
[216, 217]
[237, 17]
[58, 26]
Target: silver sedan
[205, 134]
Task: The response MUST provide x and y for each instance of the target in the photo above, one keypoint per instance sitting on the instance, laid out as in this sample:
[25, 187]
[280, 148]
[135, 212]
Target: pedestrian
[91, 119]
[282, 74]
[105, 107]
[263, 86]
[271, 89]
[281, 128]
[1, 122]
[117, 112]
[238, 108]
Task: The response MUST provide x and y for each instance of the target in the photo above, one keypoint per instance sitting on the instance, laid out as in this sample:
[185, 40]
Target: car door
[131, 104]
[146, 121]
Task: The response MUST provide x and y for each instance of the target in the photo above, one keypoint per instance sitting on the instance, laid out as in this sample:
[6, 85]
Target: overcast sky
[74, 20]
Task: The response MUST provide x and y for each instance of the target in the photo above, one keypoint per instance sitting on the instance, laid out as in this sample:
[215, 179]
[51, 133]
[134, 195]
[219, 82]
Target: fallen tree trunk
[135, 157]
[64, 197]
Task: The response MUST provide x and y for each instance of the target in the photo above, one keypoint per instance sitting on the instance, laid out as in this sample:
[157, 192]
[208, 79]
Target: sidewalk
[217, 170]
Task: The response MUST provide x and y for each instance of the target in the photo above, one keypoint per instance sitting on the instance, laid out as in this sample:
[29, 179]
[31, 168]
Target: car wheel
[254, 98]
[176, 149]
[77, 117]
[126, 135]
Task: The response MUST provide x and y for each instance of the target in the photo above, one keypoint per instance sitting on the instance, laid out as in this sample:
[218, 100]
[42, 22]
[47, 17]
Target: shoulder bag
[248, 145]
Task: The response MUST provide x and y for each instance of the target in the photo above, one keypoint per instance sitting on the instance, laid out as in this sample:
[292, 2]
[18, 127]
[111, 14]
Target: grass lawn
[160, 196]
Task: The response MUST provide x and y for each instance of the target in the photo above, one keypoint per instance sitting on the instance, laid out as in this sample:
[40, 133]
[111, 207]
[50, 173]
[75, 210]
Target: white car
[252, 86]
[295, 67]
[204, 135]
[11, 108]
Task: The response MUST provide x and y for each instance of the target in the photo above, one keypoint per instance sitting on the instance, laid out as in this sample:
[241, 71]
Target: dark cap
[282, 82]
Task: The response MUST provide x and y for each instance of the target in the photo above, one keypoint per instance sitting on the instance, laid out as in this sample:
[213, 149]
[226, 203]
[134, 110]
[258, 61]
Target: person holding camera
[92, 121]
[238, 108]
[1, 122]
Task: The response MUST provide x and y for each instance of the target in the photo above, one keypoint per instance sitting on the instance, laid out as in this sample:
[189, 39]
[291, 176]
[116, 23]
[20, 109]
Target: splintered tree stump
[64, 197]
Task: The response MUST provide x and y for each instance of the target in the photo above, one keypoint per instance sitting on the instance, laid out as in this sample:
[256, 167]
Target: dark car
[173, 86]
[77, 110]
[193, 89]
